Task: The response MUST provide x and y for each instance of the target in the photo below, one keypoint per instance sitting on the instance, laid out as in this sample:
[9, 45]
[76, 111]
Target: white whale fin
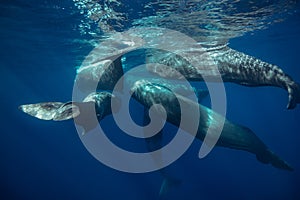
[56, 111]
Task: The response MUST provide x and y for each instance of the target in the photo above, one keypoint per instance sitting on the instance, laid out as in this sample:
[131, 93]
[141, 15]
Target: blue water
[41, 47]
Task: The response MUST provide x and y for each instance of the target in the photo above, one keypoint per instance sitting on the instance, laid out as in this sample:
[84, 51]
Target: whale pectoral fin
[153, 143]
[56, 111]
[294, 95]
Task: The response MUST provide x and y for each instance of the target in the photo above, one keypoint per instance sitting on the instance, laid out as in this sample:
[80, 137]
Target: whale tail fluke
[294, 95]
[270, 157]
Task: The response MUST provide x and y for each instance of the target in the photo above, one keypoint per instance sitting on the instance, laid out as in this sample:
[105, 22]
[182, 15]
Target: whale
[103, 67]
[233, 66]
[233, 136]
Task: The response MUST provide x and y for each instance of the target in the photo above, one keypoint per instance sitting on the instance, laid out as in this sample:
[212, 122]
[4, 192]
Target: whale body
[103, 67]
[233, 66]
[233, 136]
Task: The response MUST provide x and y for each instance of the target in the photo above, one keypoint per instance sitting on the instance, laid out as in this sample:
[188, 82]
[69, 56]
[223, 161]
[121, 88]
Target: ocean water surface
[44, 42]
